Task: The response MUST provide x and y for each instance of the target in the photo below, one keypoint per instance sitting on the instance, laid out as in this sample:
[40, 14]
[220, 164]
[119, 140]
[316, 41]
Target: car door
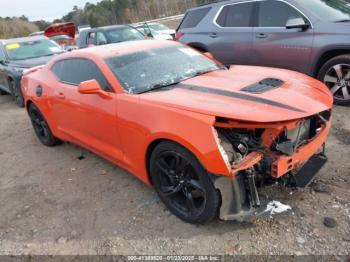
[3, 70]
[277, 46]
[232, 41]
[89, 120]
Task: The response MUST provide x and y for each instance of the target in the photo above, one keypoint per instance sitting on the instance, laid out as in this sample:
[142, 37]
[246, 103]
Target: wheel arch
[199, 46]
[326, 56]
[154, 143]
[28, 103]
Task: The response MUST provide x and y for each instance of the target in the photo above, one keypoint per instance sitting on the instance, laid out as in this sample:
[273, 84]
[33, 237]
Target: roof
[105, 51]
[110, 27]
[23, 39]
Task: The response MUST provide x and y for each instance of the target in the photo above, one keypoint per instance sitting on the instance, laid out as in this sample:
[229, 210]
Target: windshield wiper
[159, 86]
[342, 21]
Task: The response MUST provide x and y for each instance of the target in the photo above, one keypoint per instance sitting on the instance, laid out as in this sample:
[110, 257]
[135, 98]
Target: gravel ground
[66, 200]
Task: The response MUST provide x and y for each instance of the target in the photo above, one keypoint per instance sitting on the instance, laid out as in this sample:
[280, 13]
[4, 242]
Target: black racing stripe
[238, 96]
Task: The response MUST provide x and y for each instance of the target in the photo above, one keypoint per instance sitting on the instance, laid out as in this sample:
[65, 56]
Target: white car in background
[156, 30]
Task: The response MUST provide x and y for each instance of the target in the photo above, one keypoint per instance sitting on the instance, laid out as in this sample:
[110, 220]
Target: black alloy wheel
[183, 184]
[41, 128]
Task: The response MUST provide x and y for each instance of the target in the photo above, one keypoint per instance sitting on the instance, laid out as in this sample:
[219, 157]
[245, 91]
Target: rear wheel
[2, 93]
[41, 128]
[336, 75]
[183, 184]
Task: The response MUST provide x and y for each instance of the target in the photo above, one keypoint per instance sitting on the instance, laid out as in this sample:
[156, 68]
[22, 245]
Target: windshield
[124, 34]
[32, 49]
[331, 10]
[158, 27]
[154, 68]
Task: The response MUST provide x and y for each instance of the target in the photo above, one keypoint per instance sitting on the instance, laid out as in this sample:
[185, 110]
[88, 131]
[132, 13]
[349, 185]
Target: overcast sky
[39, 9]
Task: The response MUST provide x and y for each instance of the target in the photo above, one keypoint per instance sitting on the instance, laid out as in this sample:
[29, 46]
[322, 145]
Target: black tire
[183, 184]
[41, 128]
[17, 93]
[2, 93]
[338, 83]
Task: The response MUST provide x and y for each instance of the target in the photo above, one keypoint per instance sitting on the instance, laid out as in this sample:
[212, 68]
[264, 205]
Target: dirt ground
[65, 200]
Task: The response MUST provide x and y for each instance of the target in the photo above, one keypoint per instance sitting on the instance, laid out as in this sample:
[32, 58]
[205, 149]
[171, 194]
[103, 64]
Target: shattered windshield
[151, 69]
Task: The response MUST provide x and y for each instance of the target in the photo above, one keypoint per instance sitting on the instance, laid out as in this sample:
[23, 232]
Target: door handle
[60, 96]
[213, 35]
[261, 36]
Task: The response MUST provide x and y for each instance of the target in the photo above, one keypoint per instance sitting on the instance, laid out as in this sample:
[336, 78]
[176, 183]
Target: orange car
[202, 135]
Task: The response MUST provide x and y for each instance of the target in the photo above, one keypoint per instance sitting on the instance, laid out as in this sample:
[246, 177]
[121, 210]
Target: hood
[61, 29]
[228, 94]
[28, 63]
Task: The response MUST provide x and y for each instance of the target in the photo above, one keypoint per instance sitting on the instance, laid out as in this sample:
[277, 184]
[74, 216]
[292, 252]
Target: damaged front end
[290, 153]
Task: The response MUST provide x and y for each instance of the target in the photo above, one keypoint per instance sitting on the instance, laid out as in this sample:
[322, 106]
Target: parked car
[19, 54]
[83, 27]
[308, 36]
[37, 33]
[202, 135]
[63, 34]
[157, 30]
[108, 35]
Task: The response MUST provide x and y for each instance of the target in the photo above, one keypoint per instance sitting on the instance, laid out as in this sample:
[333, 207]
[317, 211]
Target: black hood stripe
[238, 96]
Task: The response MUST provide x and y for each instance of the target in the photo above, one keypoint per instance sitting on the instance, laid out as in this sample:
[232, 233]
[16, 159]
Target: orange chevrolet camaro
[205, 136]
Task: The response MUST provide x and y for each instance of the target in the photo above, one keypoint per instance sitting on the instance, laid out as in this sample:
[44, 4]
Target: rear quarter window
[193, 18]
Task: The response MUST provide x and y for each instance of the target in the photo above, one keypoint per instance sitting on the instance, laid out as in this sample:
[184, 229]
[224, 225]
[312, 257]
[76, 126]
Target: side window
[75, 71]
[276, 14]
[57, 69]
[237, 15]
[193, 18]
[101, 38]
[91, 38]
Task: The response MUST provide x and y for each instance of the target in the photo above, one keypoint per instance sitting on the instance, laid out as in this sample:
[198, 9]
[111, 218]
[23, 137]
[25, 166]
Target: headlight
[223, 152]
[20, 69]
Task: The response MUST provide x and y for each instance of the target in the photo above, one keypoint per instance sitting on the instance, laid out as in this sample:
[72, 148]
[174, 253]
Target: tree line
[108, 12]
[105, 12]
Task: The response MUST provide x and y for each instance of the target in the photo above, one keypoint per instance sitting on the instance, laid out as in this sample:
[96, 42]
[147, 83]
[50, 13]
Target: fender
[323, 55]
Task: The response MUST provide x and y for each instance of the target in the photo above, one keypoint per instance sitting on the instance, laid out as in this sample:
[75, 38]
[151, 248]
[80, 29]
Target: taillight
[179, 35]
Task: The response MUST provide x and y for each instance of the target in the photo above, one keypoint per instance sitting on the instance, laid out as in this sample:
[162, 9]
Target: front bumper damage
[240, 197]
[234, 193]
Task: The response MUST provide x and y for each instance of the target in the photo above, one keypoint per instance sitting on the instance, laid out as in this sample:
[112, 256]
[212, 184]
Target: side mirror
[209, 55]
[91, 87]
[297, 23]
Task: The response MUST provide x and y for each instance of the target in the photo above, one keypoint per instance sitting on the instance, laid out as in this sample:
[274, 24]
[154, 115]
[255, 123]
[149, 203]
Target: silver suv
[310, 36]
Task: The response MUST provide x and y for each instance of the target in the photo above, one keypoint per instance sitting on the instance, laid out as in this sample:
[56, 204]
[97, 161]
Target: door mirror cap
[91, 87]
[209, 55]
[297, 23]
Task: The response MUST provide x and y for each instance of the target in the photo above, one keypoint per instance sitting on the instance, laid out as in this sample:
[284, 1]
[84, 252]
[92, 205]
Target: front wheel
[17, 93]
[2, 93]
[183, 184]
[41, 128]
[336, 75]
